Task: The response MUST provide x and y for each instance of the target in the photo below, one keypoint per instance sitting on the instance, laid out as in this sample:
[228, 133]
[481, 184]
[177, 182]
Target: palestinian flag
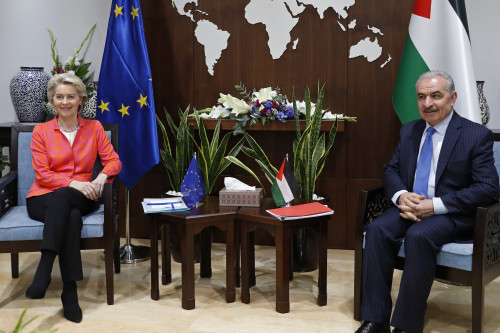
[285, 187]
[438, 39]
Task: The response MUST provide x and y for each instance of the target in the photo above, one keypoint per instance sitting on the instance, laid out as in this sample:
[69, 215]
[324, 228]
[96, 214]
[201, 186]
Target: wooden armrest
[7, 179]
[371, 204]
[487, 238]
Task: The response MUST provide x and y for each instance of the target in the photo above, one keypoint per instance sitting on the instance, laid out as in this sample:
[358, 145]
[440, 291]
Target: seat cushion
[455, 255]
[16, 225]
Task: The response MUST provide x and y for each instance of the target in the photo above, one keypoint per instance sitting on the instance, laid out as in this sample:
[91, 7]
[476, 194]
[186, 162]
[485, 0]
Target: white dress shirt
[437, 142]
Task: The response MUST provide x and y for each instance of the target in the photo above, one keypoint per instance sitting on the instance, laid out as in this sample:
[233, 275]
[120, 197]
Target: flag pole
[129, 253]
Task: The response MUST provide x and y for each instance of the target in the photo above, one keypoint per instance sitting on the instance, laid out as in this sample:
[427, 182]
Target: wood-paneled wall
[354, 87]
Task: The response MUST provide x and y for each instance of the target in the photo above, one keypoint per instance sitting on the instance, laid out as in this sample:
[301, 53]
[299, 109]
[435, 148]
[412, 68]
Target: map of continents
[279, 18]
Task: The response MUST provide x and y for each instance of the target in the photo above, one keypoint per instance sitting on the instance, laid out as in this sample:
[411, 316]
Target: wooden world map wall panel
[354, 86]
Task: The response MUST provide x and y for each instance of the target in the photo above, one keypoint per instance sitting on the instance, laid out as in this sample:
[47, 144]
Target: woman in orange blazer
[64, 152]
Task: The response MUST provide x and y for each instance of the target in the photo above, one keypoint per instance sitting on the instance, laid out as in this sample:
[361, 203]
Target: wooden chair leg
[116, 248]
[110, 279]
[358, 283]
[477, 307]
[14, 264]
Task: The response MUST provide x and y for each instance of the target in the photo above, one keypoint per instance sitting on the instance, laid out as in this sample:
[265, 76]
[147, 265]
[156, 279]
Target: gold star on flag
[134, 13]
[103, 106]
[124, 110]
[142, 100]
[118, 10]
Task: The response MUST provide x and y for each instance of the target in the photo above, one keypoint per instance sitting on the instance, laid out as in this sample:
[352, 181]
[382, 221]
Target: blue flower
[289, 112]
[280, 116]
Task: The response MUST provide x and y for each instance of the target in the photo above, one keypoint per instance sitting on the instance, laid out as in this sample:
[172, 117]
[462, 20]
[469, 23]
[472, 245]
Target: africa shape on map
[215, 40]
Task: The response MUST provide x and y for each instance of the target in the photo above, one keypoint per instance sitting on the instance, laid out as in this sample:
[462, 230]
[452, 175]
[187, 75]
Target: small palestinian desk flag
[192, 187]
[285, 187]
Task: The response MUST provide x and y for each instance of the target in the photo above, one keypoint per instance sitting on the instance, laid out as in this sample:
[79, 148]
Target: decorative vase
[483, 105]
[305, 244]
[28, 89]
[89, 109]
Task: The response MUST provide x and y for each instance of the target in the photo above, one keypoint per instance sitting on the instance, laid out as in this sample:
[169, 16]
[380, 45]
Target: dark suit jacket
[466, 177]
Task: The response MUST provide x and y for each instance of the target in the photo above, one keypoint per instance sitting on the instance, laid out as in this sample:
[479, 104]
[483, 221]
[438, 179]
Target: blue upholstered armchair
[475, 264]
[19, 233]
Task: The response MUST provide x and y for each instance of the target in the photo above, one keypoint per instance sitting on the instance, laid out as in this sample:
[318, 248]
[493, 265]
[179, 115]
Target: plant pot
[175, 242]
[28, 89]
[305, 246]
[175, 246]
[305, 250]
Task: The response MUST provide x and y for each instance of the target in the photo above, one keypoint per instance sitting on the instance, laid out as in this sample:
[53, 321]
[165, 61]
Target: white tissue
[233, 184]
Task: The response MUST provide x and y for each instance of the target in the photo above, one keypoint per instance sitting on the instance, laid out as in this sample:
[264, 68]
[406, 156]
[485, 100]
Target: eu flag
[125, 91]
[192, 187]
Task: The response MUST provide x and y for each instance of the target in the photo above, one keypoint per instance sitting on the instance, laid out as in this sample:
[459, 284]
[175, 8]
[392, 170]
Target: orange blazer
[57, 163]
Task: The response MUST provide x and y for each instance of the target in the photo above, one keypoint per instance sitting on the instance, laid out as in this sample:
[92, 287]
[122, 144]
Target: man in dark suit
[432, 207]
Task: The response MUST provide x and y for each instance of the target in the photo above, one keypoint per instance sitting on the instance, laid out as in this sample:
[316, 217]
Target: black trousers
[61, 212]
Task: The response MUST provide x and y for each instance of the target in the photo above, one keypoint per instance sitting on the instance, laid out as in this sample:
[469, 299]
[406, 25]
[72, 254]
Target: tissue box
[240, 198]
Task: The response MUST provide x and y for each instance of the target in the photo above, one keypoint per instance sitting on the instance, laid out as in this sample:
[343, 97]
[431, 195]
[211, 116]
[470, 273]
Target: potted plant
[177, 155]
[175, 158]
[311, 148]
[212, 158]
[4, 161]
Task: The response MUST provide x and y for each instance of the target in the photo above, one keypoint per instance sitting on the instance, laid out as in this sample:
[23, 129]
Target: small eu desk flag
[125, 91]
[192, 187]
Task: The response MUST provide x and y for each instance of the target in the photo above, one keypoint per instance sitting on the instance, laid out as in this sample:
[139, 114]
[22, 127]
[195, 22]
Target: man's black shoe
[372, 327]
[397, 330]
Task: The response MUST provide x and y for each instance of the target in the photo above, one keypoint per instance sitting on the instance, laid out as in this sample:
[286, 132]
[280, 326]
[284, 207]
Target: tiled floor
[449, 308]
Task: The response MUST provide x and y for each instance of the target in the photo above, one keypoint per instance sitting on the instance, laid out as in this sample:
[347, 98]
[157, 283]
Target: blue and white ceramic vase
[89, 109]
[28, 89]
[483, 105]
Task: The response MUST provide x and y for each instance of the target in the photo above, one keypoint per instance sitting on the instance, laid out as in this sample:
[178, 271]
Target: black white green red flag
[285, 186]
[438, 39]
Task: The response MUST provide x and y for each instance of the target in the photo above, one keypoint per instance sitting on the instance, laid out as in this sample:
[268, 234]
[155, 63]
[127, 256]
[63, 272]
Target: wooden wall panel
[354, 87]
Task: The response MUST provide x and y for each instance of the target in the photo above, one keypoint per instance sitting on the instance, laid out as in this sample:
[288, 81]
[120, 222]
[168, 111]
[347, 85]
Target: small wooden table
[251, 218]
[188, 224]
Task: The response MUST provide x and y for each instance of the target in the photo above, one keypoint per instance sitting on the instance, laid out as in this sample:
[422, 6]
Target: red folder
[312, 208]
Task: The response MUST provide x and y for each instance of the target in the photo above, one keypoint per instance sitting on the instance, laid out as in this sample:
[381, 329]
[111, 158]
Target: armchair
[474, 264]
[19, 233]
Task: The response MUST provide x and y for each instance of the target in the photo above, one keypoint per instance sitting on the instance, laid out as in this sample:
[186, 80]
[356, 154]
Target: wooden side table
[251, 218]
[188, 224]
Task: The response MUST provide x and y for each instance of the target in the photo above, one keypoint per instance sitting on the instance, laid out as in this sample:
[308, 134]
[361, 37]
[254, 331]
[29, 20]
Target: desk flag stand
[129, 253]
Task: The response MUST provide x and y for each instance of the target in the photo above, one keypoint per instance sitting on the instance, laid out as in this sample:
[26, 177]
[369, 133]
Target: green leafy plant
[4, 160]
[211, 157]
[176, 157]
[73, 63]
[310, 147]
[20, 326]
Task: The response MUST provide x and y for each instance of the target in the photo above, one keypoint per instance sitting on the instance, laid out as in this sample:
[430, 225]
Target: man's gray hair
[450, 85]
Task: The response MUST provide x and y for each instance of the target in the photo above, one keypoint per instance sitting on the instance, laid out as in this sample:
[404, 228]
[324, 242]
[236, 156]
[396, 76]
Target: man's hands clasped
[415, 207]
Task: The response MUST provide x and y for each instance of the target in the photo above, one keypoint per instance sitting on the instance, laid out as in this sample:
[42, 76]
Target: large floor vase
[28, 89]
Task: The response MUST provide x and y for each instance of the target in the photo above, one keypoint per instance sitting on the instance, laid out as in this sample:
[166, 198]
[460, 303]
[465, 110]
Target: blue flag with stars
[125, 91]
[192, 187]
